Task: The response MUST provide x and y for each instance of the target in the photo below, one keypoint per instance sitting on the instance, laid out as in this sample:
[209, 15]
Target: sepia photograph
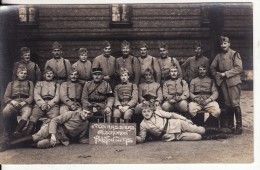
[127, 83]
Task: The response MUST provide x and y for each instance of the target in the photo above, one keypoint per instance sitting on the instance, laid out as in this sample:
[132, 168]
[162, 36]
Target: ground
[235, 149]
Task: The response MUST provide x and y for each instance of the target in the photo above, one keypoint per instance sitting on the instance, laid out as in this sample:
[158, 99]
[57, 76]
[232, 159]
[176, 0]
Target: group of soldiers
[150, 92]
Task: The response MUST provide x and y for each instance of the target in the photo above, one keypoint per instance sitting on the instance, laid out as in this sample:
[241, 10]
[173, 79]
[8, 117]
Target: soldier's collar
[175, 78]
[26, 62]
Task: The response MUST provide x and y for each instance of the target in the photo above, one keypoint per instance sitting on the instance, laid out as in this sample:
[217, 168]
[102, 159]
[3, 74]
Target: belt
[97, 100]
[20, 96]
[125, 100]
[164, 130]
[47, 98]
[148, 97]
[75, 100]
[202, 93]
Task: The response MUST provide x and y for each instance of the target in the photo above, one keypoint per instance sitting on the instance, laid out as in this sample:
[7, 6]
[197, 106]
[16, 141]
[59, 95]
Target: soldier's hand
[220, 75]
[125, 108]
[43, 107]
[197, 100]
[53, 140]
[205, 102]
[14, 103]
[189, 121]
[23, 103]
[73, 107]
[172, 101]
[48, 107]
[178, 98]
[107, 110]
[94, 109]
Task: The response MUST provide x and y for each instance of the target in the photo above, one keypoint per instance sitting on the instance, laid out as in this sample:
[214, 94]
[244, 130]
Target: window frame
[28, 23]
[121, 24]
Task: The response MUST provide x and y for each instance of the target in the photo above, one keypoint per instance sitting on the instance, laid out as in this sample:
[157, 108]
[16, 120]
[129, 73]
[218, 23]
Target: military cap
[224, 39]
[173, 67]
[24, 50]
[83, 51]
[73, 70]
[106, 44]
[197, 44]
[56, 45]
[21, 68]
[47, 69]
[97, 70]
[163, 45]
[123, 71]
[125, 43]
[143, 45]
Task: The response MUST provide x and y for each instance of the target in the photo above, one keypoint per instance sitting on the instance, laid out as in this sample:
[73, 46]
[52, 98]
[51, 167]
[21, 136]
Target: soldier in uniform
[169, 126]
[175, 93]
[83, 66]
[46, 97]
[191, 65]
[70, 93]
[33, 70]
[126, 98]
[18, 98]
[203, 93]
[150, 92]
[226, 68]
[97, 95]
[166, 62]
[107, 62]
[69, 127]
[129, 62]
[60, 66]
[147, 61]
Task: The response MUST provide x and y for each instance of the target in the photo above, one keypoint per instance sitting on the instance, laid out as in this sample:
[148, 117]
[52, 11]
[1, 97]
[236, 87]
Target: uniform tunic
[106, 63]
[46, 92]
[61, 68]
[204, 88]
[33, 70]
[125, 95]
[84, 69]
[70, 93]
[177, 128]
[165, 64]
[132, 64]
[172, 89]
[191, 67]
[229, 63]
[151, 63]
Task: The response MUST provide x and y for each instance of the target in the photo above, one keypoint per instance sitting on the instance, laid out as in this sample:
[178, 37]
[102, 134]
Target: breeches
[37, 113]
[127, 114]
[181, 106]
[9, 112]
[231, 95]
[212, 108]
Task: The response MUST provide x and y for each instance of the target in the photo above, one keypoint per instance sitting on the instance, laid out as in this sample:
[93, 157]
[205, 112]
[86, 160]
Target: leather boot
[19, 128]
[126, 120]
[116, 120]
[231, 118]
[198, 119]
[186, 114]
[238, 115]
[16, 143]
[214, 130]
[211, 121]
[30, 128]
[214, 136]
[224, 118]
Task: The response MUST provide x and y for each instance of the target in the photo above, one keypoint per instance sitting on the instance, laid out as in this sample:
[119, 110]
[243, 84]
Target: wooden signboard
[112, 134]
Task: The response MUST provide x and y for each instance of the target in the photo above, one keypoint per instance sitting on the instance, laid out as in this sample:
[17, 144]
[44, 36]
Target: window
[27, 15]
[121, 16]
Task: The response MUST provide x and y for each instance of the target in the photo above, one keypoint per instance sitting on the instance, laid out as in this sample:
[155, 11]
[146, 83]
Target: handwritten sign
[112, 134]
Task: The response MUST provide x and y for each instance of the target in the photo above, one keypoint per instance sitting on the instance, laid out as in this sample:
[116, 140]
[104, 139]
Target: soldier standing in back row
[147, 61]
[83, 66]
[166, 62]
[129, 62]
[107, 62]
[226, 68]
[33, 70]
[60, 66]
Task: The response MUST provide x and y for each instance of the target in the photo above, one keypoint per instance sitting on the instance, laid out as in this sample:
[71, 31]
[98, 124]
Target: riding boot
[238, 115]
[198, 119]
[30, 128]
[214, 136]
[126, 120]
[19, 128]
[224, 118]
[211, 121]
[231, 118]
[17, 143]
[214, 130]
[116, 120]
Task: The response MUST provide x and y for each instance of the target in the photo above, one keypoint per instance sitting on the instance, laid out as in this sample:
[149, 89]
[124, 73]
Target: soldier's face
[56, 53]
[107, 50]
[173, 73]
[97, 77]
[147, 113]
[225, 46]
[85, 115]
[26, 57]
[124, 77]
[83, 57]
[198, 51]
[22, 75]
[163, 52]
[143, 52]
[148, 76]
[49, 76]
[74, 76]
[125, 50]
[202, 72]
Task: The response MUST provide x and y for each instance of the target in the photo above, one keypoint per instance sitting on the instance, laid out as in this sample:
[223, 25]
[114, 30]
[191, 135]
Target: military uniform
[33, 70]
[190, 67]
[165, 65]
[84, 70]
[172, 89]
[126, 94]
[66, 127]
[177, 127]
[70, 94]
[45, 92]
[98, 95]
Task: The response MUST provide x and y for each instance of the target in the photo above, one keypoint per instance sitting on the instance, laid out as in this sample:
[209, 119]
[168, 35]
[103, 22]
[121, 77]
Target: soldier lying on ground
[169, 126]
[69, 127]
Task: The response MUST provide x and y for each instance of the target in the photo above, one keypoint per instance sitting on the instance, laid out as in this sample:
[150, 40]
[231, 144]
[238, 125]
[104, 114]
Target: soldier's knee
[197, 136]
[128, 114]
[116, 113]
[166, 106]
[43, 144]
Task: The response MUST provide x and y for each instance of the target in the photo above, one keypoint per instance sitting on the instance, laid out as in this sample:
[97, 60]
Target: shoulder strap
[66, 74]
[12, 88]
[94, 89]
[35, 75]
